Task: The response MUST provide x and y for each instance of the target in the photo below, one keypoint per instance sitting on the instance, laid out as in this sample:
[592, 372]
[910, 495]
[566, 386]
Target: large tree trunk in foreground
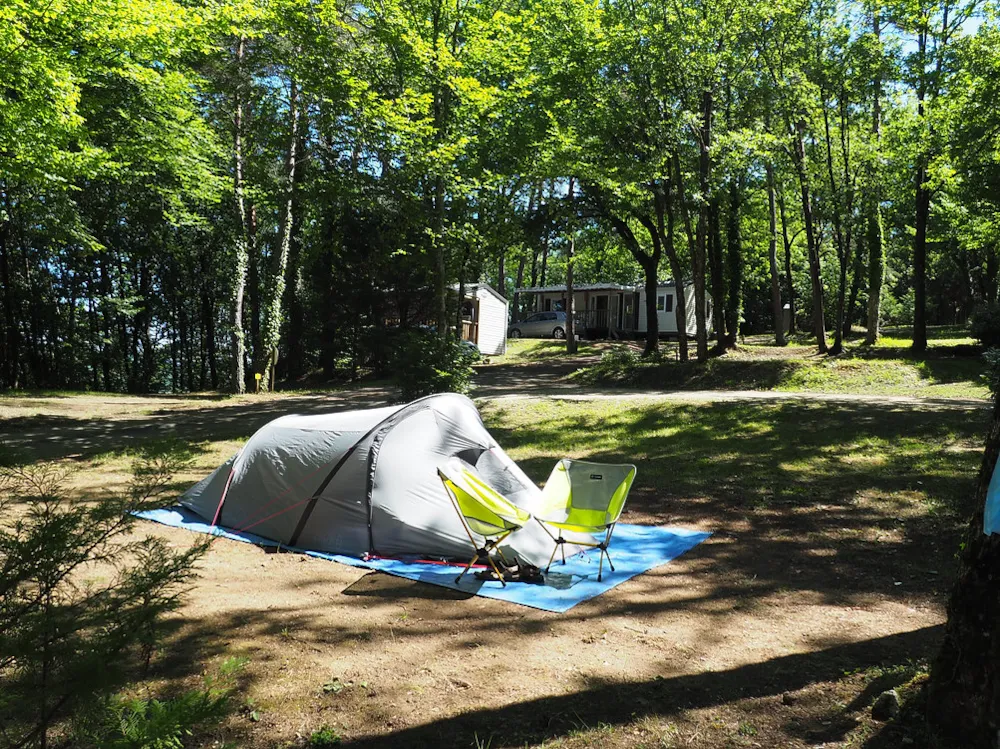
[964, 687]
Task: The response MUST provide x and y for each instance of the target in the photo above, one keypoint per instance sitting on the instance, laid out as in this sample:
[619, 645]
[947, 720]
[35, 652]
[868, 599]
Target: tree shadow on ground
[846, 499]
[50, 437]
[616, 703]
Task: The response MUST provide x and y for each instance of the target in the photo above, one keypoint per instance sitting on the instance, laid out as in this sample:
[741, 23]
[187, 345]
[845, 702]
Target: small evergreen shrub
[423, 363]
[82, 597]
[985, 325]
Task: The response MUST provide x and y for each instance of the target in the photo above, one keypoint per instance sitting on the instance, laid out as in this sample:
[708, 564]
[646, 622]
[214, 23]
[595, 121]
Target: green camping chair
[583, 497]
[483, 512]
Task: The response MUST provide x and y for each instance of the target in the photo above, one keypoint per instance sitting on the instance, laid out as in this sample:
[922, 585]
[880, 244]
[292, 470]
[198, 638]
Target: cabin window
[661, 303]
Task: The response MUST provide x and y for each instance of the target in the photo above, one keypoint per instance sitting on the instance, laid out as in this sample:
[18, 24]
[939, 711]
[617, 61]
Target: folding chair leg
[499, 574]
[467, 568]
[562, 545]
[554, 550]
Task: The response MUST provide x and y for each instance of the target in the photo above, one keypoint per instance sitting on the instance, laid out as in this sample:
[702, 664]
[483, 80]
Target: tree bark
[838, 238]
[787, 244]
[734, 261]
[237, 338]
[964, 687]
[716, 274]
[772, 258]
[272, 317]
[699, 251]
[11, 336]
[571, 346]
[873, 219]
[815, 276]
[649, 265]
[665, 209]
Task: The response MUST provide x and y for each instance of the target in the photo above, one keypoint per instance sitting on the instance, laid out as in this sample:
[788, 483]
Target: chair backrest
[591, 494]
[486, 511]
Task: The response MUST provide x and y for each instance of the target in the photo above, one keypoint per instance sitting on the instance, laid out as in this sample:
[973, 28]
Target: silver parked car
[540, 325]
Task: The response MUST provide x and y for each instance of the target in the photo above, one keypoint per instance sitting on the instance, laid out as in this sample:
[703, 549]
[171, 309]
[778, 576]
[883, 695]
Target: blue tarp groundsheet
[634, 549]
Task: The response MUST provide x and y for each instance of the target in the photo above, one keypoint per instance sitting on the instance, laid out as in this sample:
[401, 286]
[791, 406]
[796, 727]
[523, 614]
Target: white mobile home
[666, 309]
[484, 318]
[617, 311]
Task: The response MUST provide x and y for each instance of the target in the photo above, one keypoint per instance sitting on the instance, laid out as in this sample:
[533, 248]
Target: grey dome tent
[365, 482]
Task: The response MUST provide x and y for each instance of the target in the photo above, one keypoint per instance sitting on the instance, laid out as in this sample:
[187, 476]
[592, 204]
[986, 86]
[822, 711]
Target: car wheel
[514, 333]
[559, 333]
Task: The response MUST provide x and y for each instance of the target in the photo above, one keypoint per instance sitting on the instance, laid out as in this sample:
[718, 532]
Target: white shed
[666, 309]
[484, 318]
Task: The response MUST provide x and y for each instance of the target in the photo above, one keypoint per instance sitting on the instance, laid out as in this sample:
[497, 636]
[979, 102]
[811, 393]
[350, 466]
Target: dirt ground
[777, 632]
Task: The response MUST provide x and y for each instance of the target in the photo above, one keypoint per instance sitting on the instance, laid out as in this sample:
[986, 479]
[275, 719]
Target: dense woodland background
[192, 191]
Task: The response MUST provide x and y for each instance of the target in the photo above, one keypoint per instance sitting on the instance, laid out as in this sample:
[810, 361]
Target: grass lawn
[835, 527]
[534, 350]
[951, 368]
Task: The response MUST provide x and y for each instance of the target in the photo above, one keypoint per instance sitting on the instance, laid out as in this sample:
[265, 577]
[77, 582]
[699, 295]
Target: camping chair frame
[560, 545]
[492, 541]
[612, 511]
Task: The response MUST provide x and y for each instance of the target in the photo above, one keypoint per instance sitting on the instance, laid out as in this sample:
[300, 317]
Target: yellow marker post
[258, 376]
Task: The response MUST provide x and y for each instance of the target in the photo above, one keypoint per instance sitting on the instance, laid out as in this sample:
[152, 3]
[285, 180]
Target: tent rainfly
[365, 482]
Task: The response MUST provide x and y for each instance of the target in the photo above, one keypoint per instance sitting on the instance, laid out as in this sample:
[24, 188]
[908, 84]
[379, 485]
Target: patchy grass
[879, 371]
[534, 350]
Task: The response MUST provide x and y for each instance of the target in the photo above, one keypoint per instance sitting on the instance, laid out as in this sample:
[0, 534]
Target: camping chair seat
[482, 510]
[583, 497]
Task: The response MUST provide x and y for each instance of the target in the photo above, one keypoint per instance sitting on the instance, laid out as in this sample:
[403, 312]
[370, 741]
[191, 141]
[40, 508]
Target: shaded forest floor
[835, 526]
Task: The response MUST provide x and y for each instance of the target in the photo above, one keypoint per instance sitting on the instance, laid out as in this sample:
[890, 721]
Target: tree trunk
[922, 211]
[873, 215]
[272, 317]
[772, 258]
[237, 340]
[815, 276]
[717, 275]
[858, 276]
[838, 238]
[296, 360]
[571, 346]
[11, 336]
[699, 251]
[734, 258]
[665, 208]
[650, 266]
[516, 307]
[787, 244]
[964, 687]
